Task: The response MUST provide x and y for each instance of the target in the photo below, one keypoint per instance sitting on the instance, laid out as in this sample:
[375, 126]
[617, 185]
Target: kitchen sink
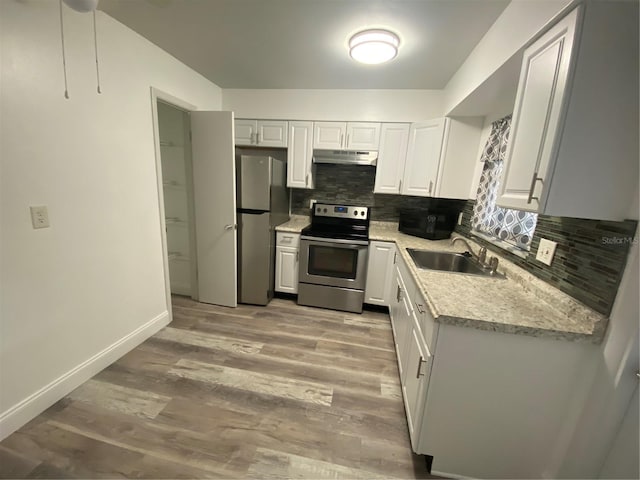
[450, 262]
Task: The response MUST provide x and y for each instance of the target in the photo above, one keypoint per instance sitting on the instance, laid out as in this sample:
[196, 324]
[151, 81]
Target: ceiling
[303, 43]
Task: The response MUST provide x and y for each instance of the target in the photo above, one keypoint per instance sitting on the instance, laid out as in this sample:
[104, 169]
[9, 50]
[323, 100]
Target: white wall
[519, 23]
[347, 105]
[79, 294]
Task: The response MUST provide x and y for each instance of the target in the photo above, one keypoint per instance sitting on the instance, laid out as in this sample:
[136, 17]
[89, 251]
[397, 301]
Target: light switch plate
[39, 216]
[546, 250]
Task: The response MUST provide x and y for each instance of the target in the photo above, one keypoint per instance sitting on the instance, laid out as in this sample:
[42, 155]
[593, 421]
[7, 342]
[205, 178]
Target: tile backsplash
[588, 262]
[353, 185]
[589, 259]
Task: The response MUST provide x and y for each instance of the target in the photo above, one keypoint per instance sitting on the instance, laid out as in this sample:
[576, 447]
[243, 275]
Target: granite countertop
[295, 224]
[520, 304]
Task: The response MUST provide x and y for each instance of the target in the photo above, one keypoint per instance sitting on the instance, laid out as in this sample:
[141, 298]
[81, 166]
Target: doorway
[177, 189]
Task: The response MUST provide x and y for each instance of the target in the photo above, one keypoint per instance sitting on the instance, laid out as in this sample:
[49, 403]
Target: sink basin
[449, 262]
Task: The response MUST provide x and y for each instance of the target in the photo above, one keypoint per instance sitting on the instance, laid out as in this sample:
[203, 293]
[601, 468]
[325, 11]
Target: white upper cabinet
[299, 155]
[459, 157]
[346, 136]
[430, 159]
[394, 138]
[539, 101]
[573, 148]
[423, 158]
[261, 133]
[245, 131]
[362, 136]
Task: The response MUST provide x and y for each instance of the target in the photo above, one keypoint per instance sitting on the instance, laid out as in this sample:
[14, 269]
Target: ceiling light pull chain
[95, 44]
[64, 57]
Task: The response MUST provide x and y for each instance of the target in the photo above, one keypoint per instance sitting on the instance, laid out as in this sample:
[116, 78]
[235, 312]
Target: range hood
[345, 157]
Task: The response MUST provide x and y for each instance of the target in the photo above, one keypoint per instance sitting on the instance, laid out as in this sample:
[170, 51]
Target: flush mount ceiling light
[373, 46]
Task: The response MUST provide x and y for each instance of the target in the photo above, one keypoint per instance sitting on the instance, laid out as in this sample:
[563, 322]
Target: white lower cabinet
[414, 356]
[485, 404]
[287, 248]
[379, 273]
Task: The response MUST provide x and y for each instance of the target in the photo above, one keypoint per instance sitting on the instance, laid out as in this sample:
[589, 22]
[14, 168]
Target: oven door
[332, 262]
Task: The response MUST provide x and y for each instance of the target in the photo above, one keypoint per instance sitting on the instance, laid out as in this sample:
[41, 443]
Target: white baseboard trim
[33, 405]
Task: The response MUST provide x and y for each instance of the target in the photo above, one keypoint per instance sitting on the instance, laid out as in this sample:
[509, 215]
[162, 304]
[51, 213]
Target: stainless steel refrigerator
[262, 203]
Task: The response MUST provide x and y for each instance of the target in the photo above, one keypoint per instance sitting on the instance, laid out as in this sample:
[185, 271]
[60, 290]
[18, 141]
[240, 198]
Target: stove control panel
[340, 211]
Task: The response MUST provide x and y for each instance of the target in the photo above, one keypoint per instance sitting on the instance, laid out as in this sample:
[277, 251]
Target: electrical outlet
[39, 217]
[311, 202]
[545, 251]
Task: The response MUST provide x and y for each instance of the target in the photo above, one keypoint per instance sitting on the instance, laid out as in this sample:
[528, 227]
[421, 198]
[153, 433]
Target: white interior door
[214, 185]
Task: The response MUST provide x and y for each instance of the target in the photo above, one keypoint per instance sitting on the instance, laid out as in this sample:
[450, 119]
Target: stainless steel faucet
[481, 256]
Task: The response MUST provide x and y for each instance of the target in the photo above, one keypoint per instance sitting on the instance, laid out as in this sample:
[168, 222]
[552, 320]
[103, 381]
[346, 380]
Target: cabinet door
[363, 136]
[329, 135]
[394, 138]
[286, 270]
[423, 158]
[379, 273]
[245, 131]
[414, 385]
[299, 155]
[537, 118]
[402, 320]
[272, 133]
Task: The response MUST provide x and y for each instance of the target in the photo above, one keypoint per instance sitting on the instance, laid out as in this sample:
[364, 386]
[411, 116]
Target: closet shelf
[173, 184]
[175, 221]
[178, 257]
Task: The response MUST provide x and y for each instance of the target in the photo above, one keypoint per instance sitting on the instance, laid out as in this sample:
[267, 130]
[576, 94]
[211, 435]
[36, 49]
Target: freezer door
[255, 258]
[254, 182]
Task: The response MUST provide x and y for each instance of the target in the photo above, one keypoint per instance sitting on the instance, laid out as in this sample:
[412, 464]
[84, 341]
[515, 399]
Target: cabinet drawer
[426, 321]
[287, 239]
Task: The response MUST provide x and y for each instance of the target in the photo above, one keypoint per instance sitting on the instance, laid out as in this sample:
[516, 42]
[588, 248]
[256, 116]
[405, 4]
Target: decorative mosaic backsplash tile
[353, 185]
[589, 259]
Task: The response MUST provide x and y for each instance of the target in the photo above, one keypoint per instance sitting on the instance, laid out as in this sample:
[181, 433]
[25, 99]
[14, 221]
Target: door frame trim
[157, 94]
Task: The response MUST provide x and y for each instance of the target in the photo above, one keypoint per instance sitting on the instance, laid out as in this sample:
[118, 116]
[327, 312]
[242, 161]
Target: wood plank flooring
[272, 392]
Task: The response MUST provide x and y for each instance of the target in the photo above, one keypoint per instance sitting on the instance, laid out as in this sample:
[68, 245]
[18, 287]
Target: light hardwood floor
[281, 391]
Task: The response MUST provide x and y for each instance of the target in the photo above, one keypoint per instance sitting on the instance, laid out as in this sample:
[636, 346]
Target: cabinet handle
[306, 180]
[257, 138]
[297, 255]
[532, 188]
[341, 138]
[419, 307]
[231, 226]
[347, 144]
[399, 294]
[252, 138]
[421, 362]
[395, 254]
[430, 187]
[400, 187]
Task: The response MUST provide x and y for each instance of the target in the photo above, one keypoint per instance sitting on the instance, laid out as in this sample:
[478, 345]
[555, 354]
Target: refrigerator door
[255, 258]
[254, 182]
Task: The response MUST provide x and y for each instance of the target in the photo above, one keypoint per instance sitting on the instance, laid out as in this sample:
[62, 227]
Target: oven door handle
[335, 240]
